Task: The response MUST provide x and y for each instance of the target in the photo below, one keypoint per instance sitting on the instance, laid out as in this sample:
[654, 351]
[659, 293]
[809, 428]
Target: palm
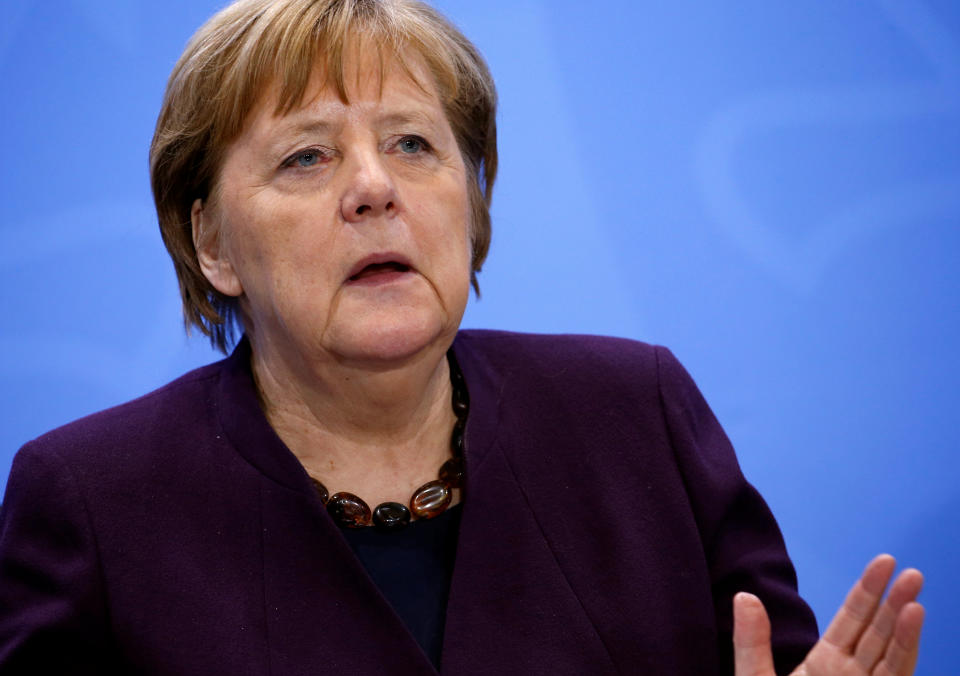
[865, 638]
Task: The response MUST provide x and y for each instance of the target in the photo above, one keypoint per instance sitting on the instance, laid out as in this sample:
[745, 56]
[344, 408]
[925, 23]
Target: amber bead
[349, 510]
[321, 490]
[451, 472]
[431, 499]
[461, 398]
[456, 375]
[461, 402]
[391, 516]
[456, 439]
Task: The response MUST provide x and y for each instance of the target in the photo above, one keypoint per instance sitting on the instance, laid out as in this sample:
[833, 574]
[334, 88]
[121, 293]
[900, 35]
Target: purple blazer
[605, 528]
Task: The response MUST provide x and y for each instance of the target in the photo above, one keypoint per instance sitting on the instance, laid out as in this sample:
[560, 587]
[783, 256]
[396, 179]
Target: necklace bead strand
[430, 500]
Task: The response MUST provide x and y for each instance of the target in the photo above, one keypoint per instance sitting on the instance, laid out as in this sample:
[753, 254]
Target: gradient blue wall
[771, 189]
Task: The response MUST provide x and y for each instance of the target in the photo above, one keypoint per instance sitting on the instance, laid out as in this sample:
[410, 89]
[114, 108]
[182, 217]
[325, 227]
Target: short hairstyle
[252, 44]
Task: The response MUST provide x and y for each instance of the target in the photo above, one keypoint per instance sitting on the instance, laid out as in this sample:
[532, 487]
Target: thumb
[751, 637]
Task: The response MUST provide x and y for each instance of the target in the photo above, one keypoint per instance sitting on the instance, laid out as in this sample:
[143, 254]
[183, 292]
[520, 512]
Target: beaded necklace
[428, 501]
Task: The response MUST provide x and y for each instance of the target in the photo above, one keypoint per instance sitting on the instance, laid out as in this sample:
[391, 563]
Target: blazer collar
[246, 426]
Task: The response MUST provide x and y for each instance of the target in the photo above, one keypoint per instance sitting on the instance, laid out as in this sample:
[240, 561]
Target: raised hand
[864, 638]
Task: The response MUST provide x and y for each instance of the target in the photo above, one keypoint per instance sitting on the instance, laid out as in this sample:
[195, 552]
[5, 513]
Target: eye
[304, 159]
[412, 145]
[307, 159]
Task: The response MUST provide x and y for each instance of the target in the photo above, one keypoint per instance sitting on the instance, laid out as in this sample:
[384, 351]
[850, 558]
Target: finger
[860, 605]
[752, 655]
[901, 656]
[873, 643]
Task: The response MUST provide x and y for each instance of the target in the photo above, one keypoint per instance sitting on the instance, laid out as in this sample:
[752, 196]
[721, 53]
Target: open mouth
[375, 270]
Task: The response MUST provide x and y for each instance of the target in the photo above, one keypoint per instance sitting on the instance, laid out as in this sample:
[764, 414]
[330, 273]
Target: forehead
[363, 79]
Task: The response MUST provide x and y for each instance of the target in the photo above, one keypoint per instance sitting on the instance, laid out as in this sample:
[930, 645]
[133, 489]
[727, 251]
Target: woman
[567, 505]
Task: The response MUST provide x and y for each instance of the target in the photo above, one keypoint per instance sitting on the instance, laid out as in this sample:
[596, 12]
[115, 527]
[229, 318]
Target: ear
[214, 263]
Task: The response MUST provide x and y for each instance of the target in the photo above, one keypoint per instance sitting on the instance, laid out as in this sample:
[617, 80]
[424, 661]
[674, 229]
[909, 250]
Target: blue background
[771, 189]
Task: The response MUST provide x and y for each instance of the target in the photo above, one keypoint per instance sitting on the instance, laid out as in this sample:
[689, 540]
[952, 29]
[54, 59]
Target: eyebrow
[289, 131]
[307, 125]
[406, 117]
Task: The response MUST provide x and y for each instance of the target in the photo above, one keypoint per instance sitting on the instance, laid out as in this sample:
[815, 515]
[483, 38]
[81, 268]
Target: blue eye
[304, 159]
[307, 159]
[412, 144]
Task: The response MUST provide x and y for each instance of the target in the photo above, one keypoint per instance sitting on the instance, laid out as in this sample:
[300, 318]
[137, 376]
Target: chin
[389, 329]
[387, 341]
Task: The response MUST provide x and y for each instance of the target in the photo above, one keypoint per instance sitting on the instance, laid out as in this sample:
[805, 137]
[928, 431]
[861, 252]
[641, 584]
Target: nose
[370, 190]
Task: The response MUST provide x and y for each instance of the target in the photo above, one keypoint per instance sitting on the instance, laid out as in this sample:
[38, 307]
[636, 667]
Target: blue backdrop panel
[770, 189]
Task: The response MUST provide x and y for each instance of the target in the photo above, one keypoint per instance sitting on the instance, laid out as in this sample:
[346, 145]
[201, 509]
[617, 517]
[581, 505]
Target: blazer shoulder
[573, 356]
[137, 424]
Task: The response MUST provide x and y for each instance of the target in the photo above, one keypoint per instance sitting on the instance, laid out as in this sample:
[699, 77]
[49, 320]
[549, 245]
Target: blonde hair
[254, 44]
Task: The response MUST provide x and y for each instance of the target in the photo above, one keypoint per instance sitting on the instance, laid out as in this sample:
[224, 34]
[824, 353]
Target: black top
[412, 567]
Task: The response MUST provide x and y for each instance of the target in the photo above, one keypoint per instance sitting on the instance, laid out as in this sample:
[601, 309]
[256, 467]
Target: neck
[375, 430]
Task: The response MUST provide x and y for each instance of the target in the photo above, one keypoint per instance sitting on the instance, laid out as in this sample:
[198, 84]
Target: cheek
[471, 198]
[465, 213]
[458, 235]
[263, 237]
[262, 255]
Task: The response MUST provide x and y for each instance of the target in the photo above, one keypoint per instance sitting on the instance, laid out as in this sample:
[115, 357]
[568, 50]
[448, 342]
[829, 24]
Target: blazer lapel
[323, 613]
[511, 610]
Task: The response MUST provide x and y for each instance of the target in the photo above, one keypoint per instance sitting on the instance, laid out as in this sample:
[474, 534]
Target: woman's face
[344, 228]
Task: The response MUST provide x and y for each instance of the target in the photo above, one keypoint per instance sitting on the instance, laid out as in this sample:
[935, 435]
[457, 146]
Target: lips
[381, 265]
